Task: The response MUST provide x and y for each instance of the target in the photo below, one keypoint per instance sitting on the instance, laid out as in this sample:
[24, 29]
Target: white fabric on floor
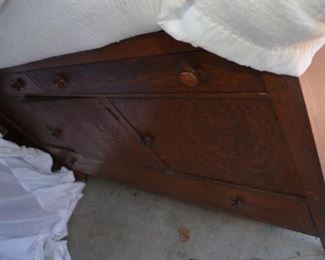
[35, 204]
[279, 36]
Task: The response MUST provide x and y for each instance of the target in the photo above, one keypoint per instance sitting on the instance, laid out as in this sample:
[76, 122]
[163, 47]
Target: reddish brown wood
[287, 211]
[18, 84]
[173, 119]
[234, 140]
[189, 79]
[289, 96]
[263, 206]
[313, 88]
[272, 208]
[60, 81]
[85, 126]
[145, 76]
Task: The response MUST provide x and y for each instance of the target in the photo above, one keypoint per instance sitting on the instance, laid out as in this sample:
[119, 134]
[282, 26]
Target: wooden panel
[289, 98]
[85, 126]
[313, 88]
[286, 211]
[283, 210]
[278, 209]
[230, 139]
[186, 72]
[18, 84]
[192, 121]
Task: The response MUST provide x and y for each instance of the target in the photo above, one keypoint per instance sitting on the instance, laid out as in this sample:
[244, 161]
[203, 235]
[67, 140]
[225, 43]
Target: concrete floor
[116, 222]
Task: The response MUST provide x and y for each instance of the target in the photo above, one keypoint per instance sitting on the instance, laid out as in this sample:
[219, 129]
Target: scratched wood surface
[234, 140]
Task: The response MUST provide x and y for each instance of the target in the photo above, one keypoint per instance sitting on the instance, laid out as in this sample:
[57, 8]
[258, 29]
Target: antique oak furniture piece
[173, 119]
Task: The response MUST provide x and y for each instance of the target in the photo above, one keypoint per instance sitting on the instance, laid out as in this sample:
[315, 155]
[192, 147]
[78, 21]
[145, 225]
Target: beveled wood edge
[312, 84]
[288, 102]
[136, 139]
[313, 90]
[176, 95]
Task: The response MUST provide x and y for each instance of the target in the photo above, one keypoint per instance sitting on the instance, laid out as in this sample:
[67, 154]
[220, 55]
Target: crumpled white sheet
[35, 204]
[279, 36]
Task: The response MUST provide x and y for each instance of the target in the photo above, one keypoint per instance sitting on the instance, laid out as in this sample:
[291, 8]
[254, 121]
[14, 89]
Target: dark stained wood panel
[185, 72]
[85, 126]
[18, 84]
[185, 123]
[233, 140]
[300, 110]
[283, 210]
[313, 89]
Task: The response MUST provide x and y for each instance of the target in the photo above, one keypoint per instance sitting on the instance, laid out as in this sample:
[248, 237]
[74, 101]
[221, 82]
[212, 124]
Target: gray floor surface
[116, 222]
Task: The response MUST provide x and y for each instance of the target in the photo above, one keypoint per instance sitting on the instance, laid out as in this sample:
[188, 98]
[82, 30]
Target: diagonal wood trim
[288, 101]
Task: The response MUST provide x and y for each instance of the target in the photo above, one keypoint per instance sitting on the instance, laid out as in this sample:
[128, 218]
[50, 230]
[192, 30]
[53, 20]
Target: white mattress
[279, 36]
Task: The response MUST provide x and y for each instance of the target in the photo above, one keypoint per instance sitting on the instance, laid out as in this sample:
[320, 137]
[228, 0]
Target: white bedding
[279, 36]
[35, 204]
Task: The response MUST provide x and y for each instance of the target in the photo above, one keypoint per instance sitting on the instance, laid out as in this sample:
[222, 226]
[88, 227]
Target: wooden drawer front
[287, 211]
[17, 84]
[190, 72]
[230, 139]
[283, 210]
[84, 126]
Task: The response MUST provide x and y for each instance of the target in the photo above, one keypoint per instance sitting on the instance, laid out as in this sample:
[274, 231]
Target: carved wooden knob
[3, 131]
[73, 161]
[237, 202]
[61, 81]
[148, 140]
[55, 132]
[18, 84]
[189, 78]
